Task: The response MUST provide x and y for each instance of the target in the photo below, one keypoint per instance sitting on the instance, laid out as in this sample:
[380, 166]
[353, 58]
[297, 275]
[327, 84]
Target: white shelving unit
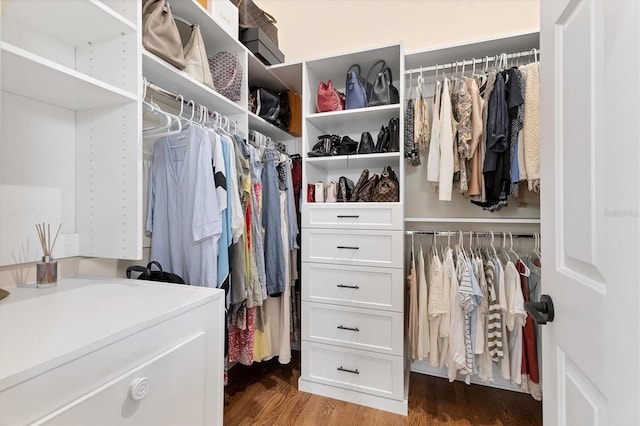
[352, 322]
[70, 128]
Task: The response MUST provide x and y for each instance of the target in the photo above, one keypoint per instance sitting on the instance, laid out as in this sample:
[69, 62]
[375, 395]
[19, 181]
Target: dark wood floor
[267, 394]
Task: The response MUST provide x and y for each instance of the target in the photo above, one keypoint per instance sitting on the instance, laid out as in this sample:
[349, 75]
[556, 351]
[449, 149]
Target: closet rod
[479, 61]
[180, 98]
[467, 233]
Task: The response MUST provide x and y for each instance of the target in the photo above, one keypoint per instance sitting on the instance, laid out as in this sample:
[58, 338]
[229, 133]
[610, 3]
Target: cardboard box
[225, 14]
[261, 46]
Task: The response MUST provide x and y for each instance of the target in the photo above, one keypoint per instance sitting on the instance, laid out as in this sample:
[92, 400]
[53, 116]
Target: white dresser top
[43, 328]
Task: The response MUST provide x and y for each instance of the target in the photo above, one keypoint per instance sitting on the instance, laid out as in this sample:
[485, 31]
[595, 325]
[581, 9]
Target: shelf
[267, 129]
[504, 221]
[32, 76]
[290, 74]
[361, 119]
[477, 49]
[76, 23]
[373, 162]
[260, 75]
[216, 39]
[178, 82]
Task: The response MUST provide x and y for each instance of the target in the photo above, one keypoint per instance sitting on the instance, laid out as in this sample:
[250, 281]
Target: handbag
[328, 98]
[284, 114]
[364, 176]
[366, 192]
[394, 135]
[147, 274]
[348, 146]
[345, 188]
[319, 192]
[382, 91]
[251, 16]
[295, 106]
[356, 89]
[331, 192]
[160, 35]
[366, 143]
[195, 57]
[267, 103]
[226, 72]
[311, 193]
[384, 140]
[387, 189]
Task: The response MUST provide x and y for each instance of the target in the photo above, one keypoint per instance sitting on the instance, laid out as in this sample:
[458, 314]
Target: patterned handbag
[366, 192]
[227, 74]
[328, 98]
[388, 189]
[364, 177]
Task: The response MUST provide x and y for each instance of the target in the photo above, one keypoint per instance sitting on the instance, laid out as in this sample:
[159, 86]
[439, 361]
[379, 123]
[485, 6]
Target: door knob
[542, 312]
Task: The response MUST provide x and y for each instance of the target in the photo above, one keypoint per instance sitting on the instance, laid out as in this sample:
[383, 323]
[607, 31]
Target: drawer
[71, 382]
[365, 248]
[380, 288]
[149, 394]
[367, 329]
[383, 216]
[360, 371]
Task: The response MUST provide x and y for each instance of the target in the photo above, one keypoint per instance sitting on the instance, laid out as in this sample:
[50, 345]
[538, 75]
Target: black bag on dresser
[147, 274]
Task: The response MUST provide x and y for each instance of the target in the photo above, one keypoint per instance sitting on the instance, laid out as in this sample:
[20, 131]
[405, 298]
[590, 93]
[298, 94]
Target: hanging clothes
[446, 169]
[423, 317]
[462, 103]
[272, 223]
[437, 308]
[475, 164]
[515, 319]
[183, 216]
[529, 369]
[413, 307]
[531, 126]
[433, 158]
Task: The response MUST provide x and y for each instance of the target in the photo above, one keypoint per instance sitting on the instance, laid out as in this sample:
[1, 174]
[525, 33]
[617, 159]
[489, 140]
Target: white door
[591, 210]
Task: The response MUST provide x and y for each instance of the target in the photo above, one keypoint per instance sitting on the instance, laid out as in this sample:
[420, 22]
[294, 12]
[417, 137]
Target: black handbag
[366, 143]
[382, 91]
[394, 135]
[384, 140]
[348, 146]
[147, 274]
[284, 113]
[345, 188]
[265, 103]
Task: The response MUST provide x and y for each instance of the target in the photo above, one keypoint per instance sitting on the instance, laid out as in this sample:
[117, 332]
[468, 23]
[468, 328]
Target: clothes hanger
[504, 246]
[535, 55]
[155, 131]
[464, 63]
[493, 247]
[527, 271]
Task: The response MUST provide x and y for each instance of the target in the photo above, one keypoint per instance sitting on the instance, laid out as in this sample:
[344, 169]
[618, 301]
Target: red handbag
[329, 99]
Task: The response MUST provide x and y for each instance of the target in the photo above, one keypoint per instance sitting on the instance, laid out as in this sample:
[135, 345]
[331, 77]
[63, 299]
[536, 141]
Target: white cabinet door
[591, 210]
[169, 389]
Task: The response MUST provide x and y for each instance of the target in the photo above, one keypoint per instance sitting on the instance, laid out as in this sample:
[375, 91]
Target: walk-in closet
[232, 212]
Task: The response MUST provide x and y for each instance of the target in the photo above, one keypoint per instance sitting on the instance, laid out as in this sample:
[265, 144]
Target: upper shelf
[35, 77]
[346, 121]
[170, 78]
[215, 37]
[263, 126]
[76, 23]
[479, 49]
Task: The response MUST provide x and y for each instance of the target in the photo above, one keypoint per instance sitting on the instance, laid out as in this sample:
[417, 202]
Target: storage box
[225, 14]
[261, 46]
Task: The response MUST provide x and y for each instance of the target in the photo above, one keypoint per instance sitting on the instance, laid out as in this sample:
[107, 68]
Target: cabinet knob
[139, 388]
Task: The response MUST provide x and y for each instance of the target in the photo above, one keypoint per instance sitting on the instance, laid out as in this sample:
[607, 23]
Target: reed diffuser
[47, 269]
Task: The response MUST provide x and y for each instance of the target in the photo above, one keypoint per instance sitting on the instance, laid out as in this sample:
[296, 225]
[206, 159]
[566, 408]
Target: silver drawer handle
[355, 287]
[349, 247]
[346, 370]
[343, 216]
[342, 327]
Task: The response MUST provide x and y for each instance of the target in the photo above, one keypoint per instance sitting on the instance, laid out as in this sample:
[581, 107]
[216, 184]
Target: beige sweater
[531, 126]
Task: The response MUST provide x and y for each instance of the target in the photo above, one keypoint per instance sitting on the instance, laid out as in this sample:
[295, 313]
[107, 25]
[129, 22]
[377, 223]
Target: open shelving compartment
[70, 128]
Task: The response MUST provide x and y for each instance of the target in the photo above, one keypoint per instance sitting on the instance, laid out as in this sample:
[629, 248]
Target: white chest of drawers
[112, 352]
[352, 304]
